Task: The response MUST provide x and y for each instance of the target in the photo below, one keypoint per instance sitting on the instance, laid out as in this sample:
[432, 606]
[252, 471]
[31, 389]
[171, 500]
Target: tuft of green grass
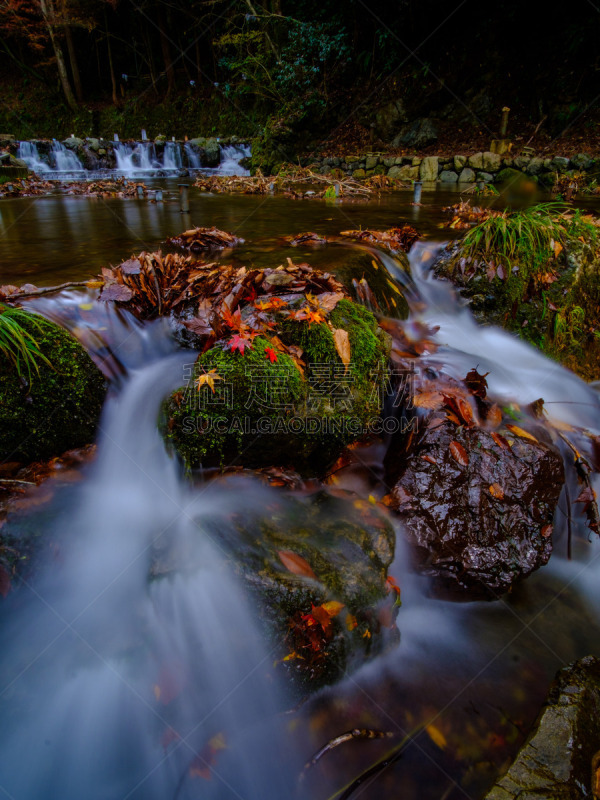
[18, 344]
[513, 235]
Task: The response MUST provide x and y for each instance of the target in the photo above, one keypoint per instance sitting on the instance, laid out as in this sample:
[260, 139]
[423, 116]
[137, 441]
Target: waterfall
[64, 160]
[193, 158]
[172, 156]
[139, 157]
[231, 155]
[28, 152]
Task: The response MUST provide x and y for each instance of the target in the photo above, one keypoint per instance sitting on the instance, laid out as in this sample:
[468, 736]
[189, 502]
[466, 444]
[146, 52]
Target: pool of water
[86, 640]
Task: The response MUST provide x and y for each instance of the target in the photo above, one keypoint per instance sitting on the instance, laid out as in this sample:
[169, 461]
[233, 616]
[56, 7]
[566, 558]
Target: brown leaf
[430, 459]
[493, 415]
[547, 531]
[329, 300]
[296, 564]
[497, 491]
[117, 293]
[342, 345]
[500, 440]
[130, 267]
[428, 400]
[477, 383]
[459, 454]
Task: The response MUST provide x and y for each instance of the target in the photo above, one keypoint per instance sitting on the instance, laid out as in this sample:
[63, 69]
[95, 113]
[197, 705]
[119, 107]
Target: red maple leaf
[240, 343]
[271, 354]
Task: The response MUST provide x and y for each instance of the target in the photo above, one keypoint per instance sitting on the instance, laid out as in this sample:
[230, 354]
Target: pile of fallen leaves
[109, 188]
[394, 239]
[27, 187]
[152, 284]
[197, 239]
[292, 181]
[464, 215]
[306, 239]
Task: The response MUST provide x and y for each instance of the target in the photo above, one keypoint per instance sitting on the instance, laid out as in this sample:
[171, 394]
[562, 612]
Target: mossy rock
[549, 298]
[264, 412]
[349, 546]
[58, 409]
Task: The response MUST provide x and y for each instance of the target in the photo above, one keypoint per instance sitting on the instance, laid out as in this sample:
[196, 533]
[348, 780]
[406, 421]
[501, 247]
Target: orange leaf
[497, 491]
[333, 607]
[459, 454]
[296, 564]
[547, 531]
[520, 432]
[342, 345]
[429, 400]
[351, 622]
[494, 415]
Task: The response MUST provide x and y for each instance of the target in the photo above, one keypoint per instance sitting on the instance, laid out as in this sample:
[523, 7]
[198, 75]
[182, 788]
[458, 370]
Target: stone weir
[451, 169]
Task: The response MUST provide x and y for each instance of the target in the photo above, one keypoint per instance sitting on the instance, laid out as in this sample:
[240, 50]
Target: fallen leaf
[342, 345]
[500, 440]
[522, 433]
[351, 622]
[497, 491]
[459, 454]
[208, 379]
[547, 531]
[271, 354]
[436, 736]
[296, 564]
[428, 400]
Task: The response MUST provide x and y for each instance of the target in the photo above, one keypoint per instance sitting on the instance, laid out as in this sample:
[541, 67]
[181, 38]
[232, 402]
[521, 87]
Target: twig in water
[356, 733]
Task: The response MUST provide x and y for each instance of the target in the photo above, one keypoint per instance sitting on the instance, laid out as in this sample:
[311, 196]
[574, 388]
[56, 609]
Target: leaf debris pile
[394, 239]
[197, 239]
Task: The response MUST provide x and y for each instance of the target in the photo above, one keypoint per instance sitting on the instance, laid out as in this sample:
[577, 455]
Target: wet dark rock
[388, 120]
[560, 759]
[420, 133]
[466, 536]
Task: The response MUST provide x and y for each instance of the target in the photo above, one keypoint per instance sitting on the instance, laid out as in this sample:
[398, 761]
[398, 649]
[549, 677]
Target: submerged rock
[560, 759]
[55, 410]
[317, 569]
[477, 508]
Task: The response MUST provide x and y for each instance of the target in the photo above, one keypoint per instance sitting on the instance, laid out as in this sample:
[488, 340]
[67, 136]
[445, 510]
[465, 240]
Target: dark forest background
[324, 70]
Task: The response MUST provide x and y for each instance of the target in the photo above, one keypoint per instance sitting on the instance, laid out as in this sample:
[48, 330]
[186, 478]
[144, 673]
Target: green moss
[60, 408]
[264, 413]
[550, 292]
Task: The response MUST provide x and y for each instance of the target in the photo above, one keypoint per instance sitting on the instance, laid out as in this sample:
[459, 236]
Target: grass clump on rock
[51, 392]
[535, 272]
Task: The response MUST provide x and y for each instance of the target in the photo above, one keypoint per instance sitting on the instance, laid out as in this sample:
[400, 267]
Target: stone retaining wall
[487, 167]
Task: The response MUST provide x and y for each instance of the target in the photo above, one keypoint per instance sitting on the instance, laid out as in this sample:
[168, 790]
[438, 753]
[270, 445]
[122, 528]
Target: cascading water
[28, 152]
[118, 684]
[139, 157]
[64, 160]
[172, 156]
[231, 155]
[193, 158]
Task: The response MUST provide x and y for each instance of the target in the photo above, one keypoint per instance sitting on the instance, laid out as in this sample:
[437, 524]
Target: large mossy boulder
[297, 408]
[561, 757]
[535, 273]
[55, 409]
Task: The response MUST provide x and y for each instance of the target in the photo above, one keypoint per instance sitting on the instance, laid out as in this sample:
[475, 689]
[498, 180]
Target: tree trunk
[58, 53]
[111, 69]
[74, 65]
[164, 43]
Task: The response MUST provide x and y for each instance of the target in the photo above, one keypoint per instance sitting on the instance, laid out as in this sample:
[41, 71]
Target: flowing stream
[115, 686]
